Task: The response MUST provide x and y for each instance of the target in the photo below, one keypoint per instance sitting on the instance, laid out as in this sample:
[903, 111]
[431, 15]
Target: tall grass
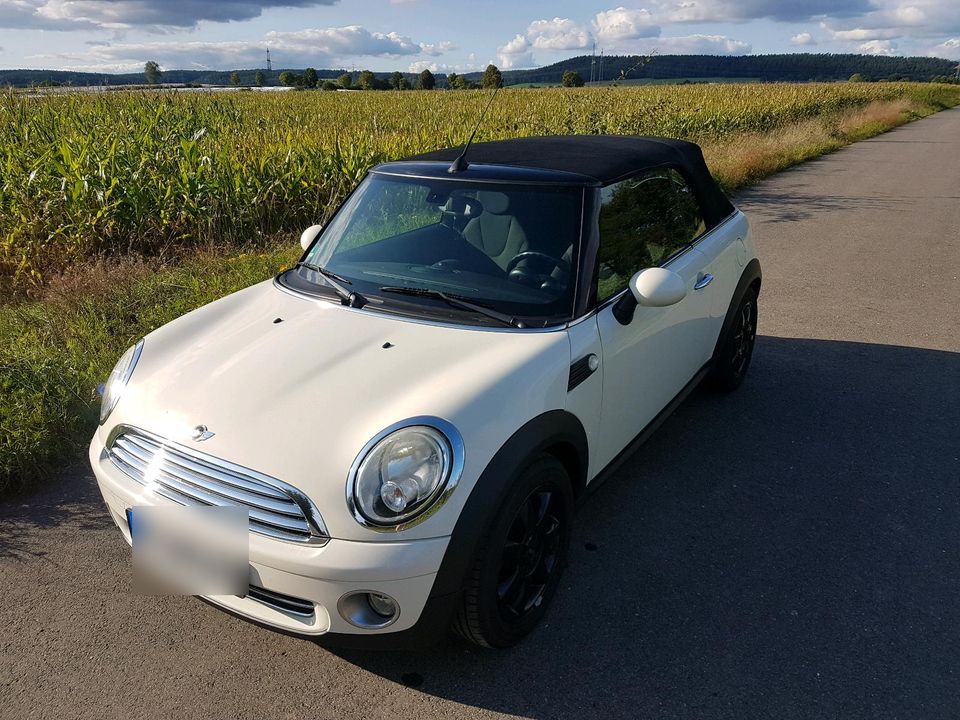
[151, 172]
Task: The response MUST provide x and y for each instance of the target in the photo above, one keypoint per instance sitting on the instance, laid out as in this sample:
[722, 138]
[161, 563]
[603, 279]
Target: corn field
[148, 172]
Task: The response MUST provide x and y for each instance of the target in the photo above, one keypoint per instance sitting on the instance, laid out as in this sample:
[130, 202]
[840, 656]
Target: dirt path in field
[789, 551]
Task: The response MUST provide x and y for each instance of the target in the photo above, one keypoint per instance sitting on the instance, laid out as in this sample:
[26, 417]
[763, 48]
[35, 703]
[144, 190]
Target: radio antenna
[461, 164]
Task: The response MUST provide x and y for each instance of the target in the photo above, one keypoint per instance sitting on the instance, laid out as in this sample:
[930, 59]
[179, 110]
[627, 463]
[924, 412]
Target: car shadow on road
[788, 550]
[77, 503]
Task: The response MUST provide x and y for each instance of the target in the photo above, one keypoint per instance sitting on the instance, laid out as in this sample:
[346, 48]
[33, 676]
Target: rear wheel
[733, 358]
[520, 560]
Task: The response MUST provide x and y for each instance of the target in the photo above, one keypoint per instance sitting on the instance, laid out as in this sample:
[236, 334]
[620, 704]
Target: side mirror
[657, 287]
[309, 235]
[653, 287]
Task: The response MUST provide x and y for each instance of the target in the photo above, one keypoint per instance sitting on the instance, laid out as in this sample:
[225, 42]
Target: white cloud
[861, 34]
[947, 49]
[702, 11]
[803, 38]
[558, 34]
[915, 21]
[516, 53]
[616, 27]
[617, 30]
[435, 49]
[471, 65]
[316, 47]
[700, 45]
[878, 47]
[910, 15]
[341, 41]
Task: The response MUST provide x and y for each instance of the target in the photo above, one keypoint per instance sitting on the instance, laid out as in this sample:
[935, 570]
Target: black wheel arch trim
[751, 274]
[558, 431]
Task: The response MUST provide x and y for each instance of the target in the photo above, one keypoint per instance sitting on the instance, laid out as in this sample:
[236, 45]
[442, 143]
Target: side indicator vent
[581, 369]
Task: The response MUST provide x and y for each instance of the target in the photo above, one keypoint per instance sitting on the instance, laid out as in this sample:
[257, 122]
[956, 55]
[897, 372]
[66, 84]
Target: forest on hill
[793, 67]
[790, 67]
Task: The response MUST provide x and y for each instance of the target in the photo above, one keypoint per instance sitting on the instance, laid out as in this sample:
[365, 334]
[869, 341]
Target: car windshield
[508, 248]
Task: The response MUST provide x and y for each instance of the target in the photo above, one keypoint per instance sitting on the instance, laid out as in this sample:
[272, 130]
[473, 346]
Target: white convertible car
[409, 416]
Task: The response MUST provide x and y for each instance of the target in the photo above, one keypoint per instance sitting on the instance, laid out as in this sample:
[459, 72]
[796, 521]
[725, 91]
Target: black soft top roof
[604, 158]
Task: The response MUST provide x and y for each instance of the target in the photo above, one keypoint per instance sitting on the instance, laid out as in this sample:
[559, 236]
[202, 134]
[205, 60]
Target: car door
[725, 252]
[647, 221]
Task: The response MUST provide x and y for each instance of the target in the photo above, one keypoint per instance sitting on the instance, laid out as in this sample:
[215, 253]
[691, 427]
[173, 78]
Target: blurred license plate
[190, 550]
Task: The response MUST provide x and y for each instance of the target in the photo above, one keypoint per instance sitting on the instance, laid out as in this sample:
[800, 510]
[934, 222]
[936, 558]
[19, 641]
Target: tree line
[366, 80]
[369, 80]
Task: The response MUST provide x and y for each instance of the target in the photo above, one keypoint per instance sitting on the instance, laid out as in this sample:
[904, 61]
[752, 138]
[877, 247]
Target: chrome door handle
[703, 282]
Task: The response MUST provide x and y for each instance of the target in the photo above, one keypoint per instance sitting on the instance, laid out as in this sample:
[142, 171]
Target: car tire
[735, 351]
[520, 558]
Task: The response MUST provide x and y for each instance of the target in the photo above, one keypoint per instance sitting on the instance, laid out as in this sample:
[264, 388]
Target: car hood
[294, 387]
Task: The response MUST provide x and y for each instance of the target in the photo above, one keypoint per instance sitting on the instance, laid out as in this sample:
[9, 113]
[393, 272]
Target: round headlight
[117, 382]
[402, 474]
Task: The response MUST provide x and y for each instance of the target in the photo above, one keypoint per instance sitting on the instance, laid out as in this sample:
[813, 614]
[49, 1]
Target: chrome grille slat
[278, 511]
[204, 469]
[187, 494]
[232, 494]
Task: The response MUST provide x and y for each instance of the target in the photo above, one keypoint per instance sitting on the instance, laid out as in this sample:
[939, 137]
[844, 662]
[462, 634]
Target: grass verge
[53, 351]
[748, 157]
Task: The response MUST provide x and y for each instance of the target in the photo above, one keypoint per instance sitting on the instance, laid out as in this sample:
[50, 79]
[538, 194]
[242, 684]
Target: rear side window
[644, 221]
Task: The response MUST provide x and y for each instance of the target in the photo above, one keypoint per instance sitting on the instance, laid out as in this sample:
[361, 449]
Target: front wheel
[520, 559]
[736, 349]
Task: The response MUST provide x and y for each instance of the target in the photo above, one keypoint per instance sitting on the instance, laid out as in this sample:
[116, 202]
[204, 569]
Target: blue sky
[409, 35]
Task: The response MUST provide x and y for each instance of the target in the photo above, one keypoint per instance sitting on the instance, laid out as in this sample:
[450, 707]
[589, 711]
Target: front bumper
[321, 575]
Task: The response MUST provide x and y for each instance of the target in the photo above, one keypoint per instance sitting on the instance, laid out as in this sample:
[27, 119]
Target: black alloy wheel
[531, 554]
[744, 337]
[732, 361]
[518, 563]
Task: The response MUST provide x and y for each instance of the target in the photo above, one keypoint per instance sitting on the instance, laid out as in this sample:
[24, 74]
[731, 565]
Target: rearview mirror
[309, 235]
[464, 206]
[657, 287]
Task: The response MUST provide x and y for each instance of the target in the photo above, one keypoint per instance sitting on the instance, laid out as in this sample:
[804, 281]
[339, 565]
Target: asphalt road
[790, 551]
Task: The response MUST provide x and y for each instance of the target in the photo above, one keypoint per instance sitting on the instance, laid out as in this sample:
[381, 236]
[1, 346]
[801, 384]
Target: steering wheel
[542, 280]
[555, 262]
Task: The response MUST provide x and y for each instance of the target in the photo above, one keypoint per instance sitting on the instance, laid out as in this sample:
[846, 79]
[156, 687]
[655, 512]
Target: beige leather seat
[496, 231]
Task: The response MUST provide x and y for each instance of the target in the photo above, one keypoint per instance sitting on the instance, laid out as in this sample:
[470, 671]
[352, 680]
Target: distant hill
[798, 67]
[794, 67]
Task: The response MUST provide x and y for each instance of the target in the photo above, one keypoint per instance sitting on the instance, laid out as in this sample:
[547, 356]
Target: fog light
[382, 605]
[368, 610]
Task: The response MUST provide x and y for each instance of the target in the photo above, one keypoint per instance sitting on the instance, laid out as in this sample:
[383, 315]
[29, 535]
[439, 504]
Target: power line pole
[593, 62]
[269, 64]
[600, 79]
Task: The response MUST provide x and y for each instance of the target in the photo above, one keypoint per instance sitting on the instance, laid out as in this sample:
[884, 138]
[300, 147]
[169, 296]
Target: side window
[643, 221]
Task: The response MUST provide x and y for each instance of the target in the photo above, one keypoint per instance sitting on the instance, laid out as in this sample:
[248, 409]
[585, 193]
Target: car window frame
[591, 263]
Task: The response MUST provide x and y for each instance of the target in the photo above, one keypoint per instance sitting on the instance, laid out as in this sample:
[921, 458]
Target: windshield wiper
[457, 302]
[349, 297]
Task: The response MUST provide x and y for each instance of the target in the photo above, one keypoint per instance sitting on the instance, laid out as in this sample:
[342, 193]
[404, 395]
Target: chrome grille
[279, 601]
[191, 478]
